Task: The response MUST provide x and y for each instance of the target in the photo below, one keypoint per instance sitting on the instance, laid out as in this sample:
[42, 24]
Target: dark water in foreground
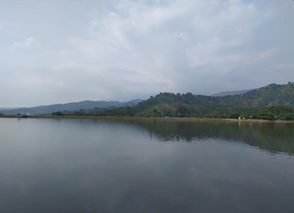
[76, 166]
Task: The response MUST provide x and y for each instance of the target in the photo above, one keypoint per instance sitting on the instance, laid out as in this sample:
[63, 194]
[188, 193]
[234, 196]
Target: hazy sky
[61, 51]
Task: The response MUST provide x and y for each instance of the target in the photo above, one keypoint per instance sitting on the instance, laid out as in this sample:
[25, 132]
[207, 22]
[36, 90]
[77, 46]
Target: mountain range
[86, 105]
[175, 105]
[40, 110]
[189, 105]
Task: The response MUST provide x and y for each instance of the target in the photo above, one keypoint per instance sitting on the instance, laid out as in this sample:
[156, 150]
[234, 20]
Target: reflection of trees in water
[273, 137]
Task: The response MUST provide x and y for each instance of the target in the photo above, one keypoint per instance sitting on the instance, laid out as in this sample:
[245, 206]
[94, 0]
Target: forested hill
[189, 105]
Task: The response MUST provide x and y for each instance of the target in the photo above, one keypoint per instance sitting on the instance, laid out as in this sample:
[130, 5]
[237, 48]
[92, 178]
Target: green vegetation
[189, 105]
[272, 112]
[1, 114]
[57, 114]
[83, 112]
[270, 102]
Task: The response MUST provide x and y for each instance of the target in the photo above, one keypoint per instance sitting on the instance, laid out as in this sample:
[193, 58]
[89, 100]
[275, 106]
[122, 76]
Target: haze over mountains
[175, 105]
[239, 92]
[74, 106]
[38, 110]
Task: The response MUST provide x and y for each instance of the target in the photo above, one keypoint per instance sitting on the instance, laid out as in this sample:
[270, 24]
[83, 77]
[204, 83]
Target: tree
[244, 115]
[57, 114]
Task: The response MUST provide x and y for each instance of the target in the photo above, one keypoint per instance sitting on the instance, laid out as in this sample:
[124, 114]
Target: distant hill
[8, 108]
[189, 105]
[239, 92]
[177, 105]
[39, 110]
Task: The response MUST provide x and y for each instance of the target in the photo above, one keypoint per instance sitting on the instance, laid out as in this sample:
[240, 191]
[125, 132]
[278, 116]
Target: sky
[61, 51]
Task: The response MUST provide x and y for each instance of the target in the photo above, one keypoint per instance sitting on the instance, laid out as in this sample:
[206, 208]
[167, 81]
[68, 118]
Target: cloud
[122, 49]
[282, 66]
[171, 38]
[240, 59]
[27, 43]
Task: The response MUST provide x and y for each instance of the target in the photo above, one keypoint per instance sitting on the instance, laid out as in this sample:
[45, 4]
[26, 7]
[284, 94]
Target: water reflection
[272, 137]
[74, 166]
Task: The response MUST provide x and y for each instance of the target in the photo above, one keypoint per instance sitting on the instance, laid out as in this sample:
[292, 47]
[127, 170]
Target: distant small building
[19, 114]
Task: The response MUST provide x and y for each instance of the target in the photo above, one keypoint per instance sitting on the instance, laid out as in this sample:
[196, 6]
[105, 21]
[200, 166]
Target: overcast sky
[62, 51]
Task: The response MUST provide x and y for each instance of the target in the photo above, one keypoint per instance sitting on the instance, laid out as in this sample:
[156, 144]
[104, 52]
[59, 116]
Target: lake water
[77, 166]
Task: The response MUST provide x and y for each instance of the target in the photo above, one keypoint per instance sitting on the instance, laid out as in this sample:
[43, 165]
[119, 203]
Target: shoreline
[149, 118]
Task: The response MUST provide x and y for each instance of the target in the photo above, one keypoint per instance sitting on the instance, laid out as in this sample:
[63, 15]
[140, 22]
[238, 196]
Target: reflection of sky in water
[107, 166]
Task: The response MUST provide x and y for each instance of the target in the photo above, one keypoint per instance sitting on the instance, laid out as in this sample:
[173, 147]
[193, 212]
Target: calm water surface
[76, 166]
